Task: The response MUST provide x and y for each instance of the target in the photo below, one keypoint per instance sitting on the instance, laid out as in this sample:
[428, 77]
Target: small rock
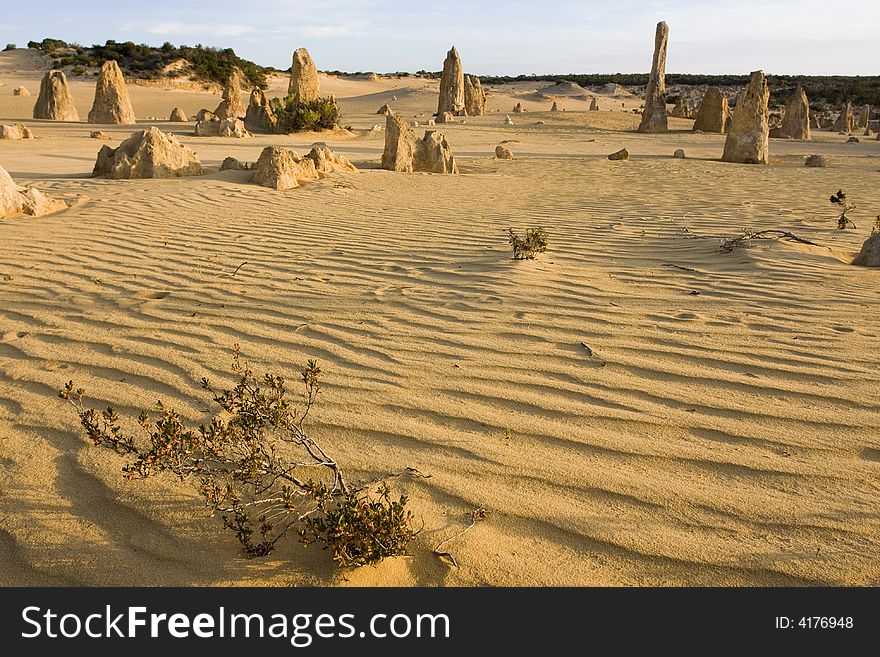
[503, 153]
[99, 134]
[816, 161]
[622, 154]
[15, 131]
[679, 154]
[21, 91]
[231, 164]
[178, 116]
[852, 140]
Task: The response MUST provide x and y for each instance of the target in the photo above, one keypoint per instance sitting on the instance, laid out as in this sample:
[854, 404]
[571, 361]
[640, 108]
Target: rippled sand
[723, 432]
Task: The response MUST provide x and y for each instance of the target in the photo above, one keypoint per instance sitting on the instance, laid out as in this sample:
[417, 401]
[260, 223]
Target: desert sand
[724, 431]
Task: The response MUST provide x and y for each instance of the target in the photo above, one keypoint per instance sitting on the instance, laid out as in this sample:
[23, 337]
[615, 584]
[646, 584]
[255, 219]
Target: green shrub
[10, 46]
[320, 114]
[526, 248]
[259, 470]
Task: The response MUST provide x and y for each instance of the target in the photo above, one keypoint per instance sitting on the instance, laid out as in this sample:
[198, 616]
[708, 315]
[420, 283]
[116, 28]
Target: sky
[493, 37]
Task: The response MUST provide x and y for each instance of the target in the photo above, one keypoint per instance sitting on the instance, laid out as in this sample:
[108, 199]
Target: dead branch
[729, 244]
[476, 515]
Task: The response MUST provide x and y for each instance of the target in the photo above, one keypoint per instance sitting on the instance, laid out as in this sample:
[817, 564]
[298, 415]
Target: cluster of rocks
[25, 200]
[282, 168]
[460, 94]
[218, 127]
[405, 152]
[15, 131]
[518, 108]
[111, 103]
[148, 154]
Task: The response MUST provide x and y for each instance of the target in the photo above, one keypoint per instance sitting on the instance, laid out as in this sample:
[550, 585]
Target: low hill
[198, 63]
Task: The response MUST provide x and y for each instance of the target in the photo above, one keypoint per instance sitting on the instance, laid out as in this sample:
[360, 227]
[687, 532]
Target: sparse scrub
[292, 116]
[259, 470]
[143, 61]
[526, 248]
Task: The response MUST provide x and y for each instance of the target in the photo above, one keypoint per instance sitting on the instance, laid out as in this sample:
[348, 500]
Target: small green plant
[292, 116]
[9, 46]
[845, 206]
[259, 470]
[526, 248]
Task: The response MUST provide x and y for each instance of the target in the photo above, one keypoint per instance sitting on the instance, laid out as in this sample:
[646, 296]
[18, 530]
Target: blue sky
[493, 37]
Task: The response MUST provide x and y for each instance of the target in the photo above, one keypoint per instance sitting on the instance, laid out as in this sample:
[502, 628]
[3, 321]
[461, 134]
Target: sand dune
[723, 432]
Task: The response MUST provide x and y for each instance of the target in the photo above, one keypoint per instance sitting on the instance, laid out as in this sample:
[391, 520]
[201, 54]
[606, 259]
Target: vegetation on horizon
[823, 91]
[259, 470]
[148, 62]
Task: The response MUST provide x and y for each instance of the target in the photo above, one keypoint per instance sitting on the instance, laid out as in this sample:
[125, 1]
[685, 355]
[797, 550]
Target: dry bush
[259, 470]
[526, 248]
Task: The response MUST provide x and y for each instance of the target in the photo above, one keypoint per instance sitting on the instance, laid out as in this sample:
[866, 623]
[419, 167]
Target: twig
[771, 234]
[415, 472]
[239, 267]
[478, 514]
[668, 264]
